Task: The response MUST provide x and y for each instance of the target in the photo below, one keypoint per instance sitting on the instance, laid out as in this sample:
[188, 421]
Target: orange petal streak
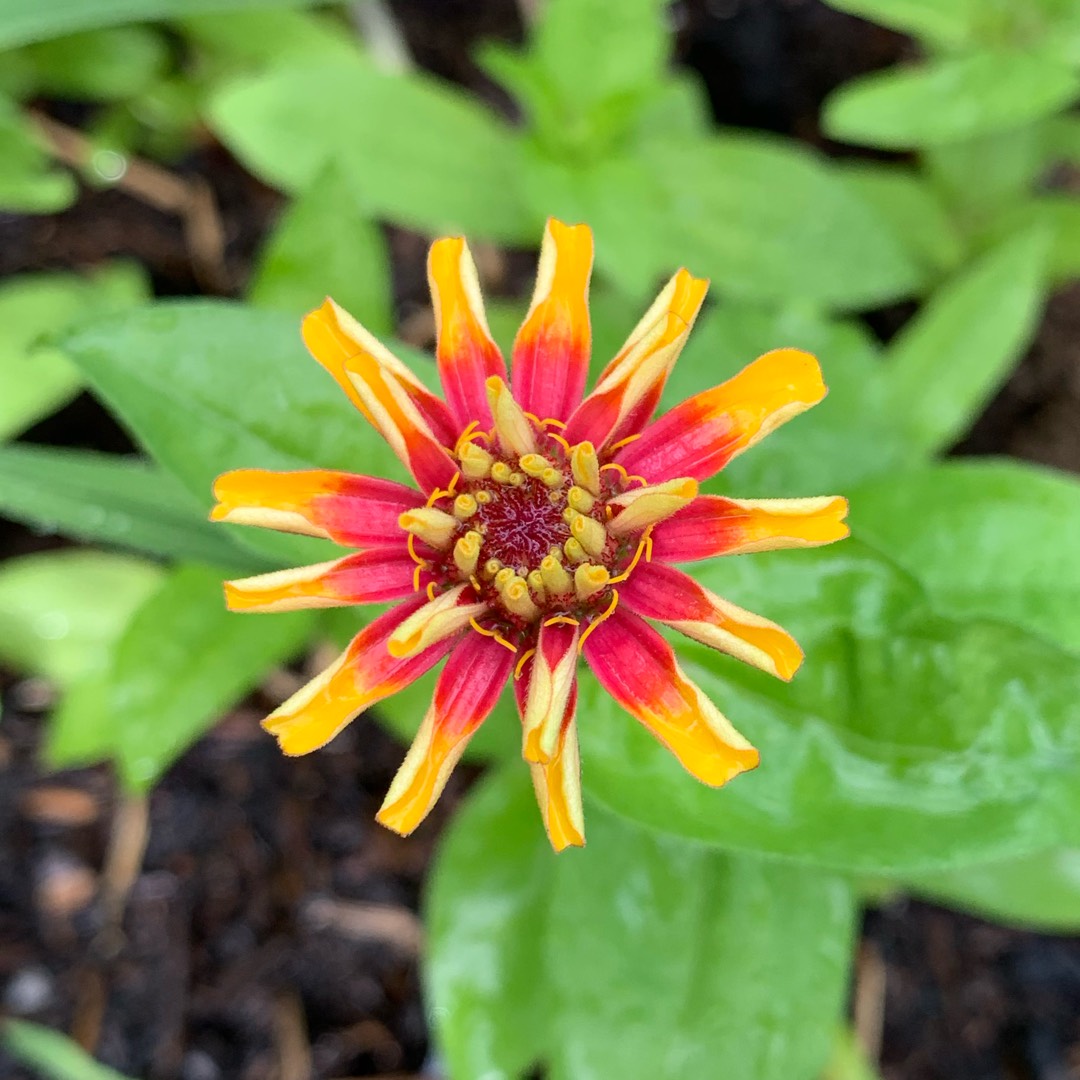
[465, 694]
[712, 526]
[364, 674]
[465, 352]
[638, 668]
[661, 592]
[551, 352]
[356, 511]
[629, 388]
[702, 434]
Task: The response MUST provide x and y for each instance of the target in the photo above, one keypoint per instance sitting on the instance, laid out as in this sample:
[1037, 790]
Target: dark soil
[272, 931]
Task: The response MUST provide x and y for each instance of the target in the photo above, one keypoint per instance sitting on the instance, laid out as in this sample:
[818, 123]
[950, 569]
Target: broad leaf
[947, 100]
[947, 24]
[29, 182]
[52, 1054]
[987, 538]
[907, 741]
[946, 363]
[462, 176]
[113, 500]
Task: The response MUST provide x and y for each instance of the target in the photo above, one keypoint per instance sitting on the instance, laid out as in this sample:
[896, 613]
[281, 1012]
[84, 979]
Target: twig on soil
[291, 1039]
[396, 926]
[869, 1005]
[190, 199]
[379, 29]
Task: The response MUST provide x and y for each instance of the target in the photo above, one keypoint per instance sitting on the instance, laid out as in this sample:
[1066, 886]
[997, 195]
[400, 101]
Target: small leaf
[29, 182]
[946, 363]
[181, 662]
[38, 380]
[944, 101]
[53, 1054]
[61, 610]
[326, 245]
[114, 500]
[945, 24]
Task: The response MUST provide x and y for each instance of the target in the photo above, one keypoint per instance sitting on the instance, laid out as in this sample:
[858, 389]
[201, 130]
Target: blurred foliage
[933, 738]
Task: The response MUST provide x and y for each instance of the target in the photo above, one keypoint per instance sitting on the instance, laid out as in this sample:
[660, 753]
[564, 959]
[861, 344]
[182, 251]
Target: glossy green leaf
[182, 661]
[486, 910]
[1040, 891]
[665, 959]
[947, 362]
[462, 176]
[769, 222]
[22, 21]
[987, 538]
[61, 610]
[907, 740]
[943, 22]
[29, 182]
[325, 244]
[53, 1055]
[114, 500]
[38, 380]
[947, 100]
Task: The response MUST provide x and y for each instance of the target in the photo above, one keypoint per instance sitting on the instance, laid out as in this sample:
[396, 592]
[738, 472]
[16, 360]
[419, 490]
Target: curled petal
[467, 691]
[557, 782]
[638, 668]
[364, 674]
[368, 577]
[440, 618]
[629, 388]
[551, 679]
[513, 428]
[357, 511]
[466, 354]
[661, 592]
[645, 506]
[702, 434]
[551, 351]
[712, 526]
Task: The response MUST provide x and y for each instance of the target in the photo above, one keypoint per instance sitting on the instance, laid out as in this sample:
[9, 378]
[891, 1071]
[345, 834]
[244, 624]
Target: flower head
[543, 526]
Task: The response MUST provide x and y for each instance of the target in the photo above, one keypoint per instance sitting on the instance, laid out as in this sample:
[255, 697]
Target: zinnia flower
[545, 526]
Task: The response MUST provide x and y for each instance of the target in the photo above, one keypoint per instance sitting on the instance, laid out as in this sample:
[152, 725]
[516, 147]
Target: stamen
[552, 477]
[430, 525]
[492, 567]
[554, 576]
[599, 619]
[519, 667]
[475, 461]
[517, 600]
[534, 464]
[500, 472]
[589, 533]
[536, 583]
[559, 439]
[585, 466]
[492, 634]
[580, 499]
[574, 551]
[464, 507]
[467, 552]
[589, 579]
[648, 505]
[643, 544]
[482, 497]
[504, 577]
[517, 479]
[512, 426]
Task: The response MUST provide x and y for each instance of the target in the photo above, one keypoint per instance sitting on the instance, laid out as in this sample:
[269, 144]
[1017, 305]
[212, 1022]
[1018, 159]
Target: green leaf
[326, 245]
[29, 183]
[665, 959]
[946, 24]
[181, 662]
[946, 363]
[50, 1052]
[22, 21]
[987, 538]
[114, 500]
[768, 222]
[37, 381]
[907, 741]
[915, 215]
[99, 65]
[486, 909]
[461, 176]
[943, 101]
[240, 378]
[61, 610]
[1039, 892]
[848, 1060]
[1059, 217]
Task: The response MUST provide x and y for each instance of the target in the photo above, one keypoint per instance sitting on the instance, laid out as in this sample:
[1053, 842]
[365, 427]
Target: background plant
[931, 742]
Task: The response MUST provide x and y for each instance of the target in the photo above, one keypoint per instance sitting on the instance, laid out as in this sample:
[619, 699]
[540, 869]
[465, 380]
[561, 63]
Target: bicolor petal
[445, 616]
[638, 668]
[467, 690]
[364, 674]
[712, 525]
[552, 675]
[368, 577]
[356, 511]
[629, 388]
[466, 354]
[551, 351]
[701, 435]
[661, 592]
